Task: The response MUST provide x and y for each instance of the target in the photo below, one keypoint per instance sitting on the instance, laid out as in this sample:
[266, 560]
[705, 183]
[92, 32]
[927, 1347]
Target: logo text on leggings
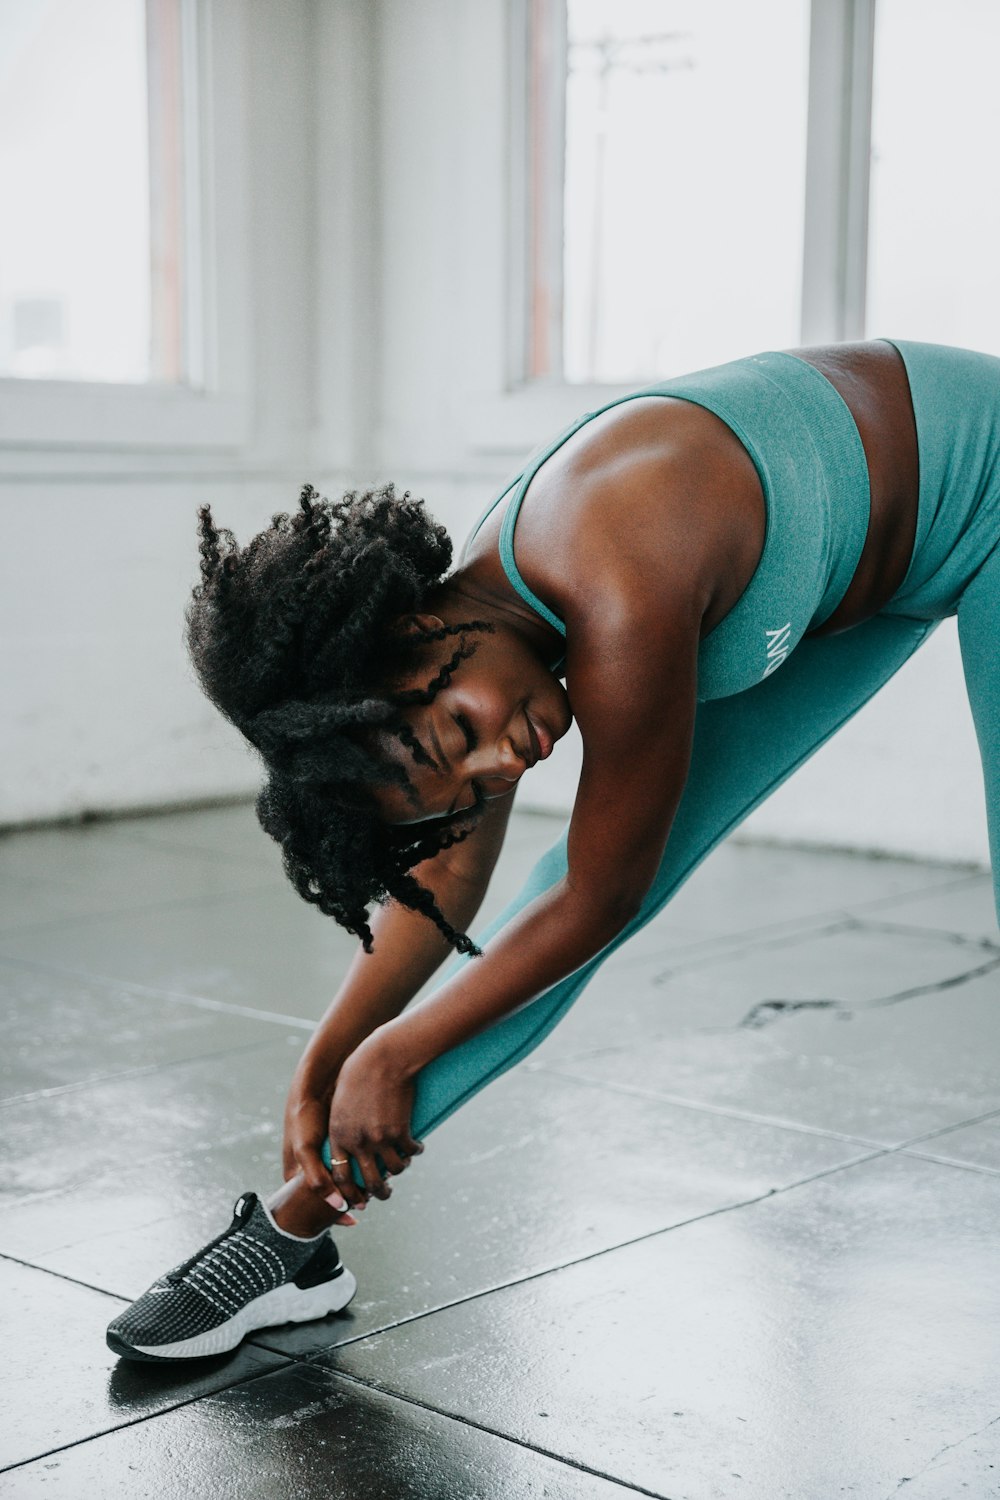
[777, 648]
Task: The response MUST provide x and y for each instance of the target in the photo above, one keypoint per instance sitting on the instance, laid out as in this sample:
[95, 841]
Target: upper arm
[632, 674]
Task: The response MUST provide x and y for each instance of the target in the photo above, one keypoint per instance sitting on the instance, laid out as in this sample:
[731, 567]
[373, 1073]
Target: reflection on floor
[732, 1231]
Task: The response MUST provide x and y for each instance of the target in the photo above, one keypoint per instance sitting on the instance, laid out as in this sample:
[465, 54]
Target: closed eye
[471, 740]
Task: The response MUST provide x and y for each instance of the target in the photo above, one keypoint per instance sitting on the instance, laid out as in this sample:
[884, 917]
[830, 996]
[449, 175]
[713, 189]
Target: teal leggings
[744, 747]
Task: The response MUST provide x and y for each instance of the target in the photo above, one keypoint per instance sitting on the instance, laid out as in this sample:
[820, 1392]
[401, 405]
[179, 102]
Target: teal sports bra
[806, 448]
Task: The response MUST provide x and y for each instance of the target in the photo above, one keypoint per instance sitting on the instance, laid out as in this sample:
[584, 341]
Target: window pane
[684, 183]
[78, 299]
[934, 245]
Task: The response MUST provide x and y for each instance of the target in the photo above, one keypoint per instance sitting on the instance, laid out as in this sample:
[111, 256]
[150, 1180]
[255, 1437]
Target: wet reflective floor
[732, 1231]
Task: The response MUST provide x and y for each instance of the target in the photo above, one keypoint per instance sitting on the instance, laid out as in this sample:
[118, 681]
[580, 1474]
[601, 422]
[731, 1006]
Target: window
[709, 177]
[93, 279]
[667, 184]
[934, 245]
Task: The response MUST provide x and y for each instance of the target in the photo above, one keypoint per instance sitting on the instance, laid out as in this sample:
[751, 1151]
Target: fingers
[342, 1177]
[313, 1169]
[393, 1159]
[375, 1183]
[376, 1162]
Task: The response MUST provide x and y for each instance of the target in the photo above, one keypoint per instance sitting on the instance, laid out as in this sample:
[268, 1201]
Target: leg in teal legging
[979, 636]
[744, 747]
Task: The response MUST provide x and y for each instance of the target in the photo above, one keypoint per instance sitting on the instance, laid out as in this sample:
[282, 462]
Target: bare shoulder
[652, 497]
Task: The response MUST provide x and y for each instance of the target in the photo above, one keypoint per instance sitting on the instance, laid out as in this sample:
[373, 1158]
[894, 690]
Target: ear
[418, 624]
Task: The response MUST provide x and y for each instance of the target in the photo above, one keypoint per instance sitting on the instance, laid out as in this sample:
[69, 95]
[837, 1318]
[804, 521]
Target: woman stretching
[723, 567]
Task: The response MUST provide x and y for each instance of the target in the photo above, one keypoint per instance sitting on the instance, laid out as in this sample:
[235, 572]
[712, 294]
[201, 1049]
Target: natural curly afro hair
[294, 638]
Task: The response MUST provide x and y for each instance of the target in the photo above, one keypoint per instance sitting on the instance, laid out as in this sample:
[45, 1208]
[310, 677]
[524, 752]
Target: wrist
[393, 1049]
[314, 1077]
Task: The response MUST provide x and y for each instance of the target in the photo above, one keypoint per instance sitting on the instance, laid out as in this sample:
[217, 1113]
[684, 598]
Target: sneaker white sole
[285, 1304]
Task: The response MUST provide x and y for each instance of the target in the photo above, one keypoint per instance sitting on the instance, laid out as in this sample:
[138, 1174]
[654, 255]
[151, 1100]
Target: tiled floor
[732, 1231]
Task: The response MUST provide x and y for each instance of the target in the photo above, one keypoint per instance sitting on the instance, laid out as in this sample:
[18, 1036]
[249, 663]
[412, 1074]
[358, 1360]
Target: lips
[539, 738]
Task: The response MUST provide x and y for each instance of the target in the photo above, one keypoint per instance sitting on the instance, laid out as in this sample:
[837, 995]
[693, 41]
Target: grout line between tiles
[557, 1266]
[682, 958]
[134, 987]
[703, 1107]
[178, 903]
[812, 923]
[507, 1437]
[57, 1090]
[726, 1112]
[150, 1416]
[931, 1135]
[907, 929]
[949, 1161]
[30, 1265]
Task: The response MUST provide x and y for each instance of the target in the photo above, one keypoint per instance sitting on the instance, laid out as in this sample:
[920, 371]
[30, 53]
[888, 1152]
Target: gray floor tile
[975, 1145]
[62, 1383]
[967, 908]
[824, 1052]
[580, 1171]
[827, 1341]
[304, 1434]
[752, 891]
[463, 1218]
[742, 892]
[846, 1306]
[64, 875]
[86, 1135]
[221, 833]
[61, 1030]
[268, 951]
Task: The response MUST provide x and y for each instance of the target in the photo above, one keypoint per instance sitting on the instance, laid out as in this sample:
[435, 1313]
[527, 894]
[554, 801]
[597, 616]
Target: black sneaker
[250, 1276]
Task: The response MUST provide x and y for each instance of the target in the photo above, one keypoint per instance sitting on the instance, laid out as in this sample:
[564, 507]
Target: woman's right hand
[307, 1115]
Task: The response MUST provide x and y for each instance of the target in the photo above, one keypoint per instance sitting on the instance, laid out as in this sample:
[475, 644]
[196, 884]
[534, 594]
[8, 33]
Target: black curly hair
[295, 640]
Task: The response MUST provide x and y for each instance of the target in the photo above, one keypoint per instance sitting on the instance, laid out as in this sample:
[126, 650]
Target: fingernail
[335, 1200]
[347, 1219]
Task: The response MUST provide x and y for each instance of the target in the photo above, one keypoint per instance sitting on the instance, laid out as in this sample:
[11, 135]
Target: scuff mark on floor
[766, 1011]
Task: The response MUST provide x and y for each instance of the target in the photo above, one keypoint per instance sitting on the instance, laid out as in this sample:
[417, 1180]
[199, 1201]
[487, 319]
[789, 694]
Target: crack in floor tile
[767, 1011]
[909, 1478]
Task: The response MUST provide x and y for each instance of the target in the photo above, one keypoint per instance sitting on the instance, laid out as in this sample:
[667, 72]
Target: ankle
[296, 1211]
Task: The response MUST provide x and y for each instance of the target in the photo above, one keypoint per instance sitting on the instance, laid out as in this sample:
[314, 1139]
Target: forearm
[407, 951]
[558, 933]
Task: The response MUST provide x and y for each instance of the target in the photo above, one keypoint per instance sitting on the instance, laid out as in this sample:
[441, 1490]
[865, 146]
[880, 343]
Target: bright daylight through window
[667, 209]
[934, 199]
[667, 192]
[91, 262]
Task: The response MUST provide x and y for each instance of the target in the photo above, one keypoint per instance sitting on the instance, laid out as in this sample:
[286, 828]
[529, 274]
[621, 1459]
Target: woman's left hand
[370, 1115]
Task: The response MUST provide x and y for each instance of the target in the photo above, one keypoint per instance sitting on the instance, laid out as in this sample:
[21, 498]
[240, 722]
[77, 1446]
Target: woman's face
[502, 711]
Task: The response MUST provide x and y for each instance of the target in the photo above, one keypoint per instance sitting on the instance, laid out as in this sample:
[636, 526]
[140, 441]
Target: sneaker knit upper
[250, 1258]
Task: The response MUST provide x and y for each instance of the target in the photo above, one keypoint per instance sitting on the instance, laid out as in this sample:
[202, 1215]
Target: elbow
[603, 915]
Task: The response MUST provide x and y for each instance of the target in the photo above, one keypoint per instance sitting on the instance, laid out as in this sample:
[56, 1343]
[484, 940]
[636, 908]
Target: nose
[498, 761]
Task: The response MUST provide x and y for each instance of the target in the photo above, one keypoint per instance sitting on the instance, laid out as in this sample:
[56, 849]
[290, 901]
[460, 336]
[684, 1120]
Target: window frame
[838, 144]
[81, 416]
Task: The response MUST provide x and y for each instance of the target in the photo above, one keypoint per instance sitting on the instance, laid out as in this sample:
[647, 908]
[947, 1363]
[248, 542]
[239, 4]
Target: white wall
[100, 710]
[374, 148]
